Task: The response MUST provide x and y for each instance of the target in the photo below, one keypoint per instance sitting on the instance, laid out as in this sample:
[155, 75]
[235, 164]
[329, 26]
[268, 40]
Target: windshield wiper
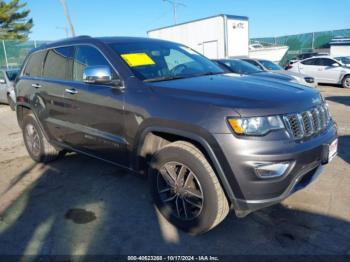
[163, 78]
[166, 78]
[208, 74]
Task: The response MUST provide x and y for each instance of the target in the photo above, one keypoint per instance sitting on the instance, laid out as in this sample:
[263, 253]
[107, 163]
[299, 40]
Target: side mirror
[335, 65]
[2, 81]
[98, 75]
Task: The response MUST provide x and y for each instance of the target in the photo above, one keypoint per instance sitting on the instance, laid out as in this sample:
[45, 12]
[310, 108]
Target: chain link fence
[302, 43]
[12, 53]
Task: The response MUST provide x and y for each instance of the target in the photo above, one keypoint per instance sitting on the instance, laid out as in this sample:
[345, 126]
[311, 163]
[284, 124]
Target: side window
[327, 62]
[58, 63]
[254, 63]
[258, 65]
[313, 61]
[86, 56]
[35, 64]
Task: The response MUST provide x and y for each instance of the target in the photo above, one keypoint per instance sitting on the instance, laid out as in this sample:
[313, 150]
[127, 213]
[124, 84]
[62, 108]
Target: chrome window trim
[66, 45]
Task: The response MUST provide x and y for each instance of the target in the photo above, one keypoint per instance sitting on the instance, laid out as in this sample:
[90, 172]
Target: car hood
[290, 73]
[247, 95]
[275, 75]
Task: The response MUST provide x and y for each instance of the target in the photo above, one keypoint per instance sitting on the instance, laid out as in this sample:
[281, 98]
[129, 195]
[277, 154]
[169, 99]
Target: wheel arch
[21, 111]
[344, 76]
[154, 138]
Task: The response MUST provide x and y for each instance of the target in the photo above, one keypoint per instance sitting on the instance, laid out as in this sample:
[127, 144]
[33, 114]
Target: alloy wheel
[32, 139]
[347, 82]
[180, 190]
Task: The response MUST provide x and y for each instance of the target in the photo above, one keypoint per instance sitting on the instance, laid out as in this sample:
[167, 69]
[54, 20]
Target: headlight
[255, 126]
[309, 80]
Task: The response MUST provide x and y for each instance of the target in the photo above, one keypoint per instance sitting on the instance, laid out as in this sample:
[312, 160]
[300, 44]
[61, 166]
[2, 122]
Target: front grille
[308, 123]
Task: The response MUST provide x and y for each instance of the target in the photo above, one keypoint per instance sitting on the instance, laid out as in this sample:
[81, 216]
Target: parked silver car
[267, 65]
[7, 92]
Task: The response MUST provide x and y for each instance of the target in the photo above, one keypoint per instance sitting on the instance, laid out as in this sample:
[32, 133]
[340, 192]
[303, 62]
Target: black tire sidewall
[210, 204]
[29, 119]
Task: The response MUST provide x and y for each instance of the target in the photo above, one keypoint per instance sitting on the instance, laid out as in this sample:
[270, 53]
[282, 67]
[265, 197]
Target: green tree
[14, 21]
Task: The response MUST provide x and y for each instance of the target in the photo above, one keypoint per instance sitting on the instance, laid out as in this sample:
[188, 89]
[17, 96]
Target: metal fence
[301, 43]
[12, 53]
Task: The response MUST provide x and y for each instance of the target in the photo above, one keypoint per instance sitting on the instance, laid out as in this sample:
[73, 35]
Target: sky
[136, 17]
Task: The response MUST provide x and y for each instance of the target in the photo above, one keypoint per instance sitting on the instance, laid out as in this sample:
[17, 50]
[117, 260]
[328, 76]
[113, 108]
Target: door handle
[36, 85]
[71, 91]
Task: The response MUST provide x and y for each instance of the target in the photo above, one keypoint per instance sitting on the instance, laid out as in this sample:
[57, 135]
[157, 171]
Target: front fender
[208, 143]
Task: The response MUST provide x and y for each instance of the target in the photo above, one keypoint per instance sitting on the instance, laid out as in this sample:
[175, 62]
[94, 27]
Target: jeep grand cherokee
[208, 142]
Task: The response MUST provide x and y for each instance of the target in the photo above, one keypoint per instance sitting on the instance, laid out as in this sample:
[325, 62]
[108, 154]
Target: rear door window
[87, 56]
[34, 65]
[313, 61]
[327, 62]
[58, 63]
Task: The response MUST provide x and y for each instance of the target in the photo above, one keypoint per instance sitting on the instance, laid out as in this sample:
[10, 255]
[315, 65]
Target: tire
[11, 103]
[39, 149]
[199, 203]
[346, 82]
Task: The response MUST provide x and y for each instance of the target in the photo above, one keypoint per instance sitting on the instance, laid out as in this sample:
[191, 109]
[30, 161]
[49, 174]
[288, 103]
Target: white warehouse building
[219, 36]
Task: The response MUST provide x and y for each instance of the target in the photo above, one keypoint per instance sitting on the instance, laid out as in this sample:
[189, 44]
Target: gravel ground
[78, 205]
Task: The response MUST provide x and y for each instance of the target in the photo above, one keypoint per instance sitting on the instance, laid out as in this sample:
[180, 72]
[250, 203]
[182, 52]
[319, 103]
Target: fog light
[272, 170]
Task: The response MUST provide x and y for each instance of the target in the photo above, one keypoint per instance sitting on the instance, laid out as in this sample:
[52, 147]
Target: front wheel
[346, 82]
[185, 188]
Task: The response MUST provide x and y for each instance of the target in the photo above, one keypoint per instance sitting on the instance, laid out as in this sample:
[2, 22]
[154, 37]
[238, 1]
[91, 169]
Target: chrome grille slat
[308, 123]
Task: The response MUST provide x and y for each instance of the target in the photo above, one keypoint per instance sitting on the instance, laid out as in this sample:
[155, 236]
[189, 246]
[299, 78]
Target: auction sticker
[137, 59]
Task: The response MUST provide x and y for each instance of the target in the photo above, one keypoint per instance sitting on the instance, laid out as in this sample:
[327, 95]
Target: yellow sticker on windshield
[137, 59]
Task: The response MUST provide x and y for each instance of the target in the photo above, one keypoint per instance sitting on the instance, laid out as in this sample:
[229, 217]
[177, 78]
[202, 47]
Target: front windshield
[270, 65]
[158, 61]
[241, 67]
[344, 59]
[12, 74]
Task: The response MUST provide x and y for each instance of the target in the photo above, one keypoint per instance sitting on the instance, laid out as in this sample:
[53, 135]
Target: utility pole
[175, 4]
[66, 14]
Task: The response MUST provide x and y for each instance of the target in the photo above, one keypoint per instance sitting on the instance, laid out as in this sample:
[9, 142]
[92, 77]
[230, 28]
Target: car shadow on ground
[79, 205]
[345, 100]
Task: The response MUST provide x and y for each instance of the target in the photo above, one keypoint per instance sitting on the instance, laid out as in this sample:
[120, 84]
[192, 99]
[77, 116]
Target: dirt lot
[79, 205]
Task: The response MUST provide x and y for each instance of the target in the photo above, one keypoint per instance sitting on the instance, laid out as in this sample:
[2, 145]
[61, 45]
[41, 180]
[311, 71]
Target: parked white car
[7, 92]
[325, 69]
[270, 66]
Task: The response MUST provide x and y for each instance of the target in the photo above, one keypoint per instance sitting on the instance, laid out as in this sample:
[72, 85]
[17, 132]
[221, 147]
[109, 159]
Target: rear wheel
[39, 149]
[346, 82]
[185, 188]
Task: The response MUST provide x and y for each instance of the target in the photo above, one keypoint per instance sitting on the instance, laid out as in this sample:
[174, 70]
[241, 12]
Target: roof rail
[82, 36]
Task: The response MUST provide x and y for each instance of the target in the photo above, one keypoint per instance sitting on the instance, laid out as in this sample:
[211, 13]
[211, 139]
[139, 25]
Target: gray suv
[208, 142]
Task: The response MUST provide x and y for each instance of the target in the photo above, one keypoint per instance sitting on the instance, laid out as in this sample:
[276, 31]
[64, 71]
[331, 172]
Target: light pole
[175, 4]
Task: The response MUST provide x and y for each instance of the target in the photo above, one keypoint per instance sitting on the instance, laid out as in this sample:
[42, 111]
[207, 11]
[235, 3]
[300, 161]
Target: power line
[174, 4]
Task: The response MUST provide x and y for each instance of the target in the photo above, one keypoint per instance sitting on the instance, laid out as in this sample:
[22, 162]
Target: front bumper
[252, 192]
